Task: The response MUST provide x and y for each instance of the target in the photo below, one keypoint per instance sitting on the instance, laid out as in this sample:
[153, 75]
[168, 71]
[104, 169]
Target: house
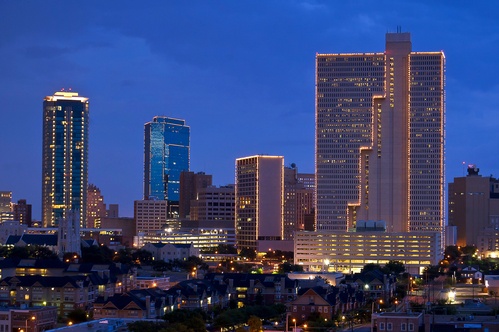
[322, 300]
[65, 293]
[137, 304]
[169, 252]
[197, 294]
[247, 288]
[471, 274]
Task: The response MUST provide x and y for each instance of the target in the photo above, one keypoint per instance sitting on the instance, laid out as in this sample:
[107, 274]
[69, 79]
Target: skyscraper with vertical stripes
[64, 157]
[380, 138]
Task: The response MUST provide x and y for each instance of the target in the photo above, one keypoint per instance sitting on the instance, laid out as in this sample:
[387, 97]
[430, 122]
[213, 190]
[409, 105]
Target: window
[381, 326]
[411, 327]
[389, 326]
[403, 327]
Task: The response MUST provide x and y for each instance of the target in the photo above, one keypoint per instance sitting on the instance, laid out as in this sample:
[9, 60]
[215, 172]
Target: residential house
[246, 288]
[322, 300]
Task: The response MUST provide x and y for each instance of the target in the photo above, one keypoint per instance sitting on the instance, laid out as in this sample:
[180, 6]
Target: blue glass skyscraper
[166, 155]
[65, 157]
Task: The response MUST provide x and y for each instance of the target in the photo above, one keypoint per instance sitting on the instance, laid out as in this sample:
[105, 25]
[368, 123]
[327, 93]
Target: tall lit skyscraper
[380, 138]
[166, 155]
[64, 157]
[259, 200]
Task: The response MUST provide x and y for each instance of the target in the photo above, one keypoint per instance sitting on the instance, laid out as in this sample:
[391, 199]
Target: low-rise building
[170, 252]
[321, 300]
[351, 251]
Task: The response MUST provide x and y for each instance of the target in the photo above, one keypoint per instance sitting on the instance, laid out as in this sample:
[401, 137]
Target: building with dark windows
[64, 157]
[22, 212]
[380, 138]
[190, 185]
[166, 155]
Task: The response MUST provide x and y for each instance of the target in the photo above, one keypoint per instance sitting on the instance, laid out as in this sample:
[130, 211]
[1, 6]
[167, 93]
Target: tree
[452, 252]
[288, 267]
[371, 267]
[394, 267]
[77, 316]
[191, 319]
[431, 272]
[248, 253]
[96, 254]
[142, 256]
[255, 324]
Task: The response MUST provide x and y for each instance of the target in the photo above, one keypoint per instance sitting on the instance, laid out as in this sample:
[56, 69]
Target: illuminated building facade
[96, 208]
[64, 157]
[259, 200]
[350, 251]
[166, 155]
[150, 215]
[5, 201]
[380, 138]
[474, 210]
[298, 201]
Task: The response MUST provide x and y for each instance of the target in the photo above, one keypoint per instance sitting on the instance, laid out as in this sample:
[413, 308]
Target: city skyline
[240, 74]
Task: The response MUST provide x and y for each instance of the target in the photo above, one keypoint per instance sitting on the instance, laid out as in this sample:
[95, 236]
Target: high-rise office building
[259, 200]
[96, 208]
[474, 209]
[150, 215]
[190, 185]
[380, 138]
[5, 201]
[214, 203]
[166, 155]
[64, 157]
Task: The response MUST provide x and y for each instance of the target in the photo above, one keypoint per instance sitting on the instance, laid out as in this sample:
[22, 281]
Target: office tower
[22, 212]
[64, 157]
[166, 155]
[190, 185]
[113, 211]
[96, 208]
[150, 215]
[380, 138]
[259, 200]
[5, 201]
[214, 203]
[474, 209]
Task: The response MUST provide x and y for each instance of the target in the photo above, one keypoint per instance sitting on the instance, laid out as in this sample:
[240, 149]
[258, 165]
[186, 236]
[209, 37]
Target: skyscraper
[259, 200]
[64, 157]
[166, 155]
[96, 208]
[380, 138]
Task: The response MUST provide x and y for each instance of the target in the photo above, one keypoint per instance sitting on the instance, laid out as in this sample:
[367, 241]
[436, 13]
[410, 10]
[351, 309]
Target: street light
[33, 318]
[294, 321]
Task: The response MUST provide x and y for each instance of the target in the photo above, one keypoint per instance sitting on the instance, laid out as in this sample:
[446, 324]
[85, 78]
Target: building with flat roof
[150, 215]
[474, 210]
[380, 138]
[349, 251]
[259, 200]
[166, 155]
[64, 157]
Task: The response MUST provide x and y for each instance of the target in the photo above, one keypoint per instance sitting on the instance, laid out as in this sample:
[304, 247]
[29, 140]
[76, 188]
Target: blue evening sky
[241, 73]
